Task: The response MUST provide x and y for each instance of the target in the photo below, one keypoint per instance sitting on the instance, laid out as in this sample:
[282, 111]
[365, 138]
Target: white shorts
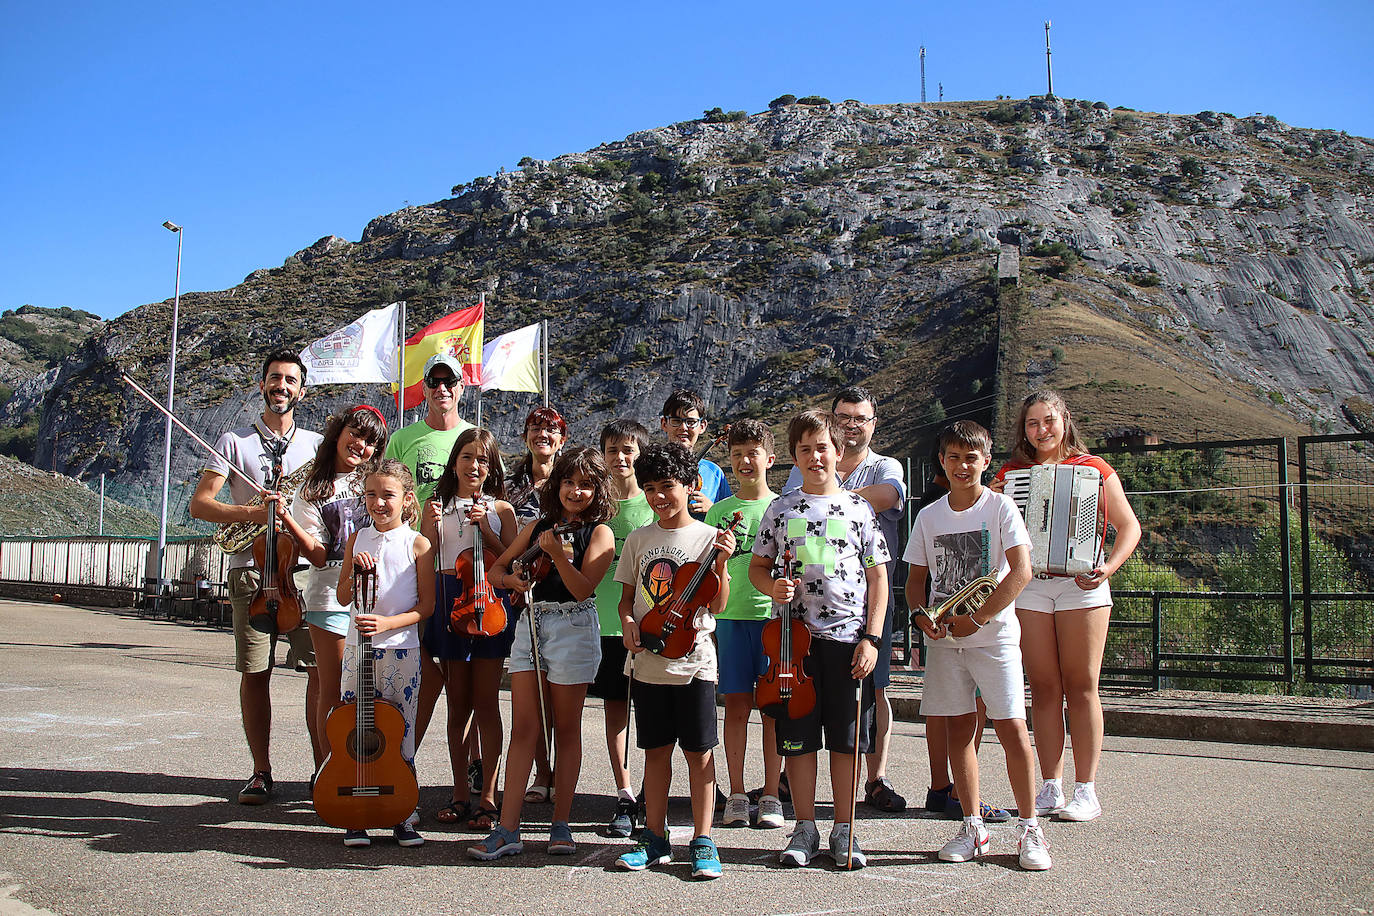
[953, 674]
[1061, 593]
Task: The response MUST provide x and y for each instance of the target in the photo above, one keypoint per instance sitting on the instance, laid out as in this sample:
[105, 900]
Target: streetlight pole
[167, 438]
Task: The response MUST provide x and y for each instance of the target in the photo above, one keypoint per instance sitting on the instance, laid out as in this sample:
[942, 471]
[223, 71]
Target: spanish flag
[459, 335]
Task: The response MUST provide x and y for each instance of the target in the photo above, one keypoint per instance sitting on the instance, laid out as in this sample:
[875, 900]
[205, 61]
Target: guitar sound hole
[368, 745]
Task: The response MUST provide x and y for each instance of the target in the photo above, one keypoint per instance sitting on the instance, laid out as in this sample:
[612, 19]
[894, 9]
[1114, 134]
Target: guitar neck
[366, 684]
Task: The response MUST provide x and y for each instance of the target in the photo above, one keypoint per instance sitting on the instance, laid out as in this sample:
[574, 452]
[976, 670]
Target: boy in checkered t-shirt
[842, 588]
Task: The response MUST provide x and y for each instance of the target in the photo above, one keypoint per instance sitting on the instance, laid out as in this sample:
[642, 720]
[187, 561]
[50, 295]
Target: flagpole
[544, 362]
[401, 380]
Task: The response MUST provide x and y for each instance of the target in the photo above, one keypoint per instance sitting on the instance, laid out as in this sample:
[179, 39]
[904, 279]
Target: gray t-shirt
[244, 447]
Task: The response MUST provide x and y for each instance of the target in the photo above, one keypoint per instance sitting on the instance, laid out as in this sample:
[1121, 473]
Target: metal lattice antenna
[1049, 72]
[923, 73]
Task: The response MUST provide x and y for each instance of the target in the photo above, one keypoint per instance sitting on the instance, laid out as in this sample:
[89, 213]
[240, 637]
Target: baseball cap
[444, 359]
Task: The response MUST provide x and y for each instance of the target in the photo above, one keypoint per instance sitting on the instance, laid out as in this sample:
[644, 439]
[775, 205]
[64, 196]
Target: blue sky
[262, 127]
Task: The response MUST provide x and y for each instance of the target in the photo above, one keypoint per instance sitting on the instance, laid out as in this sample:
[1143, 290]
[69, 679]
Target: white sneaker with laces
[968, 844]
[1084, 806]
[770, 813]
[1050, 798]
[736, 811]
[1033, 850]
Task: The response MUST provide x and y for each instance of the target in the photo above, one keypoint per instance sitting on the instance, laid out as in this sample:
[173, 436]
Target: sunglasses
[448, 382]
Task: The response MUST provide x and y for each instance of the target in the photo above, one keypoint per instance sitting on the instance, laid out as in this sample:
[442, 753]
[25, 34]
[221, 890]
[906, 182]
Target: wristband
[869, 637]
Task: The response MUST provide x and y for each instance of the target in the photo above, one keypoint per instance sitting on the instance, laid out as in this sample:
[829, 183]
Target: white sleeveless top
[398, 588]
[456, 530]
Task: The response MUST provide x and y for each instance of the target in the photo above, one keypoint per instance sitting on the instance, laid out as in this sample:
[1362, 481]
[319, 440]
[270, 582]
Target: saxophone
[965, 601]
[236, 537]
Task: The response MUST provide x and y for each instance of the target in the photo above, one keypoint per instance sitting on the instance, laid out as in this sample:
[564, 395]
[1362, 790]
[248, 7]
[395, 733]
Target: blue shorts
[336, 622]
[569, 642]
[446, 644]
[740, 658]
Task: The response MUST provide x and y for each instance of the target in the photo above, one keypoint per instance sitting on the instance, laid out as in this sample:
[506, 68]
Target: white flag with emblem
[511, 362]
[364, 351]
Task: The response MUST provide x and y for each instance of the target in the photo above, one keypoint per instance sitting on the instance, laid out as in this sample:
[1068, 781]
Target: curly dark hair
[666, 461]
[494, 486]
[581, 459]
[368, 422]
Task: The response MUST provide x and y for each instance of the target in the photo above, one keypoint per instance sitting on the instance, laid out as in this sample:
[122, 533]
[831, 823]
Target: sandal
[538, 795]
[454, 812]
[880, 794]
[483, 818]
[561, 839]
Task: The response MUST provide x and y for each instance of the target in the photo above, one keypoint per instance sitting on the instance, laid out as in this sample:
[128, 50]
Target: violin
[534, 565]
[476, 610]
[669, 627]
[276, 605]
[706, 450]
[365, 783]
[785, 690]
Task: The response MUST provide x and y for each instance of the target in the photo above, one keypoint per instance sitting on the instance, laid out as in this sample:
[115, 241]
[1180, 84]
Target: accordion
[1060, 504]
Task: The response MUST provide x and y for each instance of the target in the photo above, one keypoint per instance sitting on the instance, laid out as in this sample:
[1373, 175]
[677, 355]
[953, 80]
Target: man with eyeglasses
[424, 445]
[878, 479]
[683, 421]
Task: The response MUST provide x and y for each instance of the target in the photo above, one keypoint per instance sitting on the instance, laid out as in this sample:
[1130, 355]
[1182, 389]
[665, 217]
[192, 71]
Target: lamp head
[171, 226]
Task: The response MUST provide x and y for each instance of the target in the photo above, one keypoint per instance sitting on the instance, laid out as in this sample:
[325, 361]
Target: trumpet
[236, 537]
[965, 601]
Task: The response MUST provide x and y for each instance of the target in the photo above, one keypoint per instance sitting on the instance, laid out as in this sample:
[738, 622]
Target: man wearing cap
[424, 445]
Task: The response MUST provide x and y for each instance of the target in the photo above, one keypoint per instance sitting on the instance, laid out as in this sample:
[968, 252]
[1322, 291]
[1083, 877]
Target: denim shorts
[569, 641]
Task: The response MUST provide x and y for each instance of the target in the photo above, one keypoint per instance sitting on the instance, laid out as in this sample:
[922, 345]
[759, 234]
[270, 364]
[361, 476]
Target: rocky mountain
[36, 503]
[1201, 276]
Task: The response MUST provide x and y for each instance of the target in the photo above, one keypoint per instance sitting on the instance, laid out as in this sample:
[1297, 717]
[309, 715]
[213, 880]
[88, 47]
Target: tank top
[456, 530]
[397, 584]
[552, 588]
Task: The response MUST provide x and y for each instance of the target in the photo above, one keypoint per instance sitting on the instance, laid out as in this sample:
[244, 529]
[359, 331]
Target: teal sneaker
[649, 849]
[705, 858]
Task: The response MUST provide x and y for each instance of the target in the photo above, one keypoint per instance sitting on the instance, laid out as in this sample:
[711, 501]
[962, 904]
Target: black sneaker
[257, 790]
[626, 816]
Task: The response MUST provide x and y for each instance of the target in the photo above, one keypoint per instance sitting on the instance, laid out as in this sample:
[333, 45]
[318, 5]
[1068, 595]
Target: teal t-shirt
[425, 451]
[630, 514]
[745, 601]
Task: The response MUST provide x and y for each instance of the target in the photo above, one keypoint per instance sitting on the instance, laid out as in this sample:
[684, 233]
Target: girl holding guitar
[471, 525]
[402, 559]
[557, 638]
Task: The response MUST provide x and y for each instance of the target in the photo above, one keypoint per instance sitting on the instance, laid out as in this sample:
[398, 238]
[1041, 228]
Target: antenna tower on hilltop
[1049, 73]
[923, 73]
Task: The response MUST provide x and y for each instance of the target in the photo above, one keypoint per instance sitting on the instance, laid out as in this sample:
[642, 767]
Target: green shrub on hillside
[813, 100]
[717, 116]
[782, 101]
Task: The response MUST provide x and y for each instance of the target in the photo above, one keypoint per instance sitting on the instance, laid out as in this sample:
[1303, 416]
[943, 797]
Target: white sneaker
[1050, 798]
[1033, 849]
[770, 813]
[968, 844]
[736, 811]
[1084, 806]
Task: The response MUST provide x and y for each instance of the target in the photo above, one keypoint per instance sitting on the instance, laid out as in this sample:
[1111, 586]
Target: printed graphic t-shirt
[652, 556]
[837, 540]
[958, 547]
[425, 451]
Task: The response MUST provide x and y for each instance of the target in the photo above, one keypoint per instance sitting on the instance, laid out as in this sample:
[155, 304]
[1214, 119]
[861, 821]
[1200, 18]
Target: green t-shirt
[630, 514]
[745, 602]
[425, 451]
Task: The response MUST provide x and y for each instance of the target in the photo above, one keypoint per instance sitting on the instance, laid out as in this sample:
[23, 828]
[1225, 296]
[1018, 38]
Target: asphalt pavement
[121, 749]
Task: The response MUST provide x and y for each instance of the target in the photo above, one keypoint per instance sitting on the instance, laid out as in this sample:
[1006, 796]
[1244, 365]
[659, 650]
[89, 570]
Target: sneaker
[257, 790]
[1033, 849]
[561, 839]
[770, 813]
[839, 848]
[705, 858]
[804, 844]
[626, 814]
[968, 844]
[475, 777]
[1050, 798]
[937, 800]
[357, 838]
[990, 814]
[500, 842]
[406, 835]
[736, 811]
[649, 849]
[1084, 806]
